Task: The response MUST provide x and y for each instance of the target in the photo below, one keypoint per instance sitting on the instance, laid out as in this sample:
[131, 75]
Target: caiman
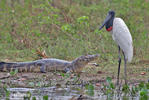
[49, 64]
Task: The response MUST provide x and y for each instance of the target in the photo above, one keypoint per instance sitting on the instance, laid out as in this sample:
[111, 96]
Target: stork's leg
[119, 64]
[125, 68]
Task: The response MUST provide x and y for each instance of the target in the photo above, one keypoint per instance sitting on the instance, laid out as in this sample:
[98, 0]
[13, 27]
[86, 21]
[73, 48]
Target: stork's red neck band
[109, 29]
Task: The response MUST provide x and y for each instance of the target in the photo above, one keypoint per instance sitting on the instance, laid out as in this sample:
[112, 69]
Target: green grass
[69, 29]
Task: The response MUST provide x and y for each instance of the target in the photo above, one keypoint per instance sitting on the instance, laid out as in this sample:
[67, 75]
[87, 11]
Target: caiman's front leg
[67, 70]
[42, 67]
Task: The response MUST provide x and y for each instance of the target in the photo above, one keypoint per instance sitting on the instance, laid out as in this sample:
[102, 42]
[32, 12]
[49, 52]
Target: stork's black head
[108, 22]
[112, 13]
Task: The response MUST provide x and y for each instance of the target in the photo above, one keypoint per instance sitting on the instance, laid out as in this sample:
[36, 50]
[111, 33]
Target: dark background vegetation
[66, 29]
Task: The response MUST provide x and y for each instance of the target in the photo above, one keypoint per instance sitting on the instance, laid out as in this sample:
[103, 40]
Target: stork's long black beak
[105, 21]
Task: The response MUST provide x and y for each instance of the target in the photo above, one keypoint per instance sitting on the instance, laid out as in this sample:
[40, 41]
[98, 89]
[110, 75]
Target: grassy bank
[69, 28]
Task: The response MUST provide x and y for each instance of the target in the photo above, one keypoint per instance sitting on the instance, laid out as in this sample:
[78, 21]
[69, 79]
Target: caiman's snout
[94, 56]
[80, 62]
[89, 58]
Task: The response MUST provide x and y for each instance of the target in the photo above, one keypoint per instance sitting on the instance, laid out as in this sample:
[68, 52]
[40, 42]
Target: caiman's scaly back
[45, 65]
[79, 63]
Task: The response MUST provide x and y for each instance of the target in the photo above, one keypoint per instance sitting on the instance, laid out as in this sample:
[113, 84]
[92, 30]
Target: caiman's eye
[80, 60]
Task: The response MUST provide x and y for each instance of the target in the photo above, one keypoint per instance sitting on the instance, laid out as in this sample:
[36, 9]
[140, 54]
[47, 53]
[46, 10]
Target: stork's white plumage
[122, 37]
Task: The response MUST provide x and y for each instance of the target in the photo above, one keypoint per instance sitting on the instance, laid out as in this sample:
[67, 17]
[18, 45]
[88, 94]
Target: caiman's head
[81, 62]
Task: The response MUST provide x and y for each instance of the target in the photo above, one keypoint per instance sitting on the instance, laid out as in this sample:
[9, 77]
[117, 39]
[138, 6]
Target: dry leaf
[41, 53]
[98, 84]
[22, 79]
[99, 72]
[143, 73]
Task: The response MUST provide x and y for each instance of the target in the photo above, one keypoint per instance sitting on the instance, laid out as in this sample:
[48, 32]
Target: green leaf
[45, 97]
[31, 84]
[90, 93]
[125, 88]
[147, 85]
[67, 75]
[141, 85]
[7, 93]
[83, 19]
[112, 86]
[12, 73]
[62, 74]
[28, 95]
[66, 28]
[38, 84]
[33, 98]
[109, 79]
[144, 94]
[90, 87]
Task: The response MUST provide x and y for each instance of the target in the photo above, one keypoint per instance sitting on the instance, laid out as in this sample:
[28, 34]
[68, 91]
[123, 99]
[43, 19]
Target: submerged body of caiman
[45, 65]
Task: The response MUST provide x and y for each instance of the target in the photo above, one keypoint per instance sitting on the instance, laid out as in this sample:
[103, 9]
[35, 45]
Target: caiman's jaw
[80, 62]
[86, 59]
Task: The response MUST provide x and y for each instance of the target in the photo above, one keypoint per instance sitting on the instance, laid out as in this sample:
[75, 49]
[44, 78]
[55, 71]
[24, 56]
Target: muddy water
[56, 87]
[54, 93]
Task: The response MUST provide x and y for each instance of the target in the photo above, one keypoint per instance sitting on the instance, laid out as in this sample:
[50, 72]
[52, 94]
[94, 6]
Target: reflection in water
[55, 93]
[52, 92]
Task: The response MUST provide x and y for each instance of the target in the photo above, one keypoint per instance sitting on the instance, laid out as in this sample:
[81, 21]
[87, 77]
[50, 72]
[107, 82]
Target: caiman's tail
[4, 66]
[80, 62]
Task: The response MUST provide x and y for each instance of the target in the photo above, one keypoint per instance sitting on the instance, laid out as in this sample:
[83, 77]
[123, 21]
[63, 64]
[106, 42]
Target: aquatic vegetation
[33, 98]
[126, 91]
[12, 73]
[90, 89]
[45, 97]
[28, 96]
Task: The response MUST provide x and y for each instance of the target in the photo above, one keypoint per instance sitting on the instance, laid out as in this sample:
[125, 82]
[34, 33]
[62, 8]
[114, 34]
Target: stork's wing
[122, 36]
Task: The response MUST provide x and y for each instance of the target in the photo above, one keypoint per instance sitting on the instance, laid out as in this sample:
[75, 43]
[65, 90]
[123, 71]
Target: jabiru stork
[121, 35]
